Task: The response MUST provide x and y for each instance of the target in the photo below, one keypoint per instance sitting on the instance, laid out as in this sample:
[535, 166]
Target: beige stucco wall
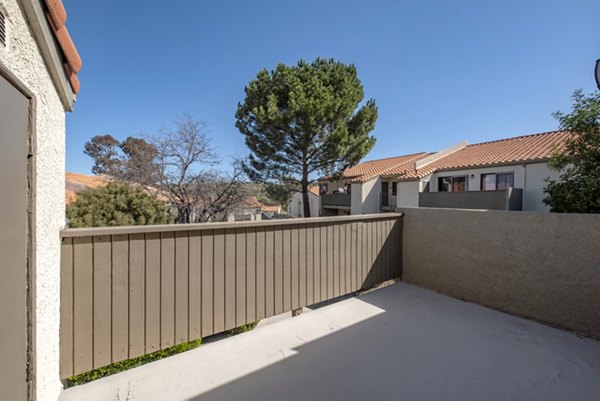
[25, 61]
[408, 194]
[543, 266]
[356, 199]
[370, 191]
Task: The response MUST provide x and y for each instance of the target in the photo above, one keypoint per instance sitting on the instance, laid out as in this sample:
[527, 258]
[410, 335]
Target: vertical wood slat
[260, 274]
[137, 301]
[152, 313]
[240, 277]
[167, 290]
[129, 294]
[102, 301]
[208, 283]
[219, 281]
[120, 297]
[269, 272]
[230, 279]
[195, 285]
[251, 304]
[66, 308]
[181, 286]
[82, 304]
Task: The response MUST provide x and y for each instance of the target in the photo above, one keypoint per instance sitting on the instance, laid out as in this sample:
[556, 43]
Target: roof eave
[50, 49]
[509, 163]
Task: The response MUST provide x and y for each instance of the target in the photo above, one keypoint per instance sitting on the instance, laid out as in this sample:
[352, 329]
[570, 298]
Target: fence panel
[129, 291]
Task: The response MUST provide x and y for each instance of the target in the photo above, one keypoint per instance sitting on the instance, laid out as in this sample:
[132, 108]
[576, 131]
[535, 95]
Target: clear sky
[440, 71]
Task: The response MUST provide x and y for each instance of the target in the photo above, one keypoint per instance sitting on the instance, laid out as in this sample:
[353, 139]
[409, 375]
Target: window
[453, 184]
[394, 188]
[2, 29]
[348, 188]
[495, 181]
[385, 187]
[322, 189]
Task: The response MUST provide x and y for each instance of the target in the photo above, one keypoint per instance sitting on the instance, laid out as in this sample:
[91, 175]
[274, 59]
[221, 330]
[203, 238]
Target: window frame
[451, 184]
[482, 177]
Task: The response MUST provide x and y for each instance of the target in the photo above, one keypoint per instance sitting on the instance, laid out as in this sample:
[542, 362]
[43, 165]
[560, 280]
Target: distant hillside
[75, 183]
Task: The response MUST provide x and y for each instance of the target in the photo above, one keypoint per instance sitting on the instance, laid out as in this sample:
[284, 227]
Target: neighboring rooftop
[57, 16]
[526, 148]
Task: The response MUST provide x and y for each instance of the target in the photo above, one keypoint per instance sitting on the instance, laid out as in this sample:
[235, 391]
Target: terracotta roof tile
[536, 147]
[57, 16]
[365, 171]
[504, 151]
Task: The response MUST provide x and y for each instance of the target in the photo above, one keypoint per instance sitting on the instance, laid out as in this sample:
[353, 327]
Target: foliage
[578, 188]
[178, 164]
[243, 329]
[303, 120]
[130, 363]
[116, 204]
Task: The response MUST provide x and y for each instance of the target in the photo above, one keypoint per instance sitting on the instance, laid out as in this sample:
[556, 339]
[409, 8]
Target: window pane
[385, 187]
[444, 184]
[504, 181]
[394, 188]
[488, 182]
[459, 184]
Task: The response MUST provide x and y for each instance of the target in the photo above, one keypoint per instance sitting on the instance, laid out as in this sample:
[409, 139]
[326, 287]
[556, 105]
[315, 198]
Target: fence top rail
[88, 232]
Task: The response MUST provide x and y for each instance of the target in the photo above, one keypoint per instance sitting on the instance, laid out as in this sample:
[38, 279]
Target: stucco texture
[543, 266]
[23, 58]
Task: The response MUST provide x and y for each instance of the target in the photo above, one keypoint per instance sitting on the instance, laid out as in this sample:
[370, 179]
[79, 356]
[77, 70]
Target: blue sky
[440, 72]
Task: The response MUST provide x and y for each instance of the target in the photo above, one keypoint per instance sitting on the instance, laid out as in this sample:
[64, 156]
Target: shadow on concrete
[426, 346]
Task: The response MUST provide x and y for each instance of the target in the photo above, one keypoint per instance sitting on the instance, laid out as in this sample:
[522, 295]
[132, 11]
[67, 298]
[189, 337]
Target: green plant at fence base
[243, 329]
[130, 363]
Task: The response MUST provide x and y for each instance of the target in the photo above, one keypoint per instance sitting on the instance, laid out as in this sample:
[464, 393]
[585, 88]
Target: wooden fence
[130, 291]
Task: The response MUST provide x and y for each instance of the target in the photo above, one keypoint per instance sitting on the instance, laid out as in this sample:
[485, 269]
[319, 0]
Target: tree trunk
[305, 198]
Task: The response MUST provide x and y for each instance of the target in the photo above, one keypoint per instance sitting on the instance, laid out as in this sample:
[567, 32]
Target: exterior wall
[356, 203]
[535, 176]
[24, 60]
[542, 266]
[296, 208]
[371, 191]
[475, 182]
[529, 177]
[408, 194]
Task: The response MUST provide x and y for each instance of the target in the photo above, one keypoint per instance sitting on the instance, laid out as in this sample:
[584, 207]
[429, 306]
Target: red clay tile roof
[536, 147]
[365, 171]
[57, 15]
[314, 190]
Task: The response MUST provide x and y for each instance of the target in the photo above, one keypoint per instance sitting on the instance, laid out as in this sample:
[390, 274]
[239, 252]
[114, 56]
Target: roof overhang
[50, 49]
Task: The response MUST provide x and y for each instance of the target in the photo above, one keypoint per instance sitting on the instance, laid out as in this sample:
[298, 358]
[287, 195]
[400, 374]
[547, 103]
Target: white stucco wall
[370, 191]
[408, 194]
[296, 208]
[535, 182]
[25, 61]
[356, 199]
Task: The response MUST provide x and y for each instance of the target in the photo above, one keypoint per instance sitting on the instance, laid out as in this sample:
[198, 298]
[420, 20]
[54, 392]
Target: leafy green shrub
[116, 204]
[118, 367]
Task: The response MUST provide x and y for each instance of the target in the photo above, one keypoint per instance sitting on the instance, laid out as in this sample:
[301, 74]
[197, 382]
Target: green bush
[118, 367]
[116, 204]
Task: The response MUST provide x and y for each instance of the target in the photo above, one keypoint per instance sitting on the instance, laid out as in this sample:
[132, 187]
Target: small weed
[130, 363]
[243, 329]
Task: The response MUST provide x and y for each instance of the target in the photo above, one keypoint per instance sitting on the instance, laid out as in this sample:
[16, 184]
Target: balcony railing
[336, 200]
[130, 291]
[505, 199]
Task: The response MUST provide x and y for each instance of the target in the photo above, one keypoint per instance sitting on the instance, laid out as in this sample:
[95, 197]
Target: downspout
[524, 186]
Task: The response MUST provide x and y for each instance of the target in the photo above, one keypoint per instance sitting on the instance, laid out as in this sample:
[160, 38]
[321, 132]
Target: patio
[397, 342]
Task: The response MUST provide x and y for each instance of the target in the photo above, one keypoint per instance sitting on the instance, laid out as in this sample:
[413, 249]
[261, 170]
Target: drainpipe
[524, 186]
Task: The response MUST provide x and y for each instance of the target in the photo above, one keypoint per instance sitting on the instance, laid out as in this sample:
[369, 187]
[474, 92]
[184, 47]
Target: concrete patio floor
[397, 343]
